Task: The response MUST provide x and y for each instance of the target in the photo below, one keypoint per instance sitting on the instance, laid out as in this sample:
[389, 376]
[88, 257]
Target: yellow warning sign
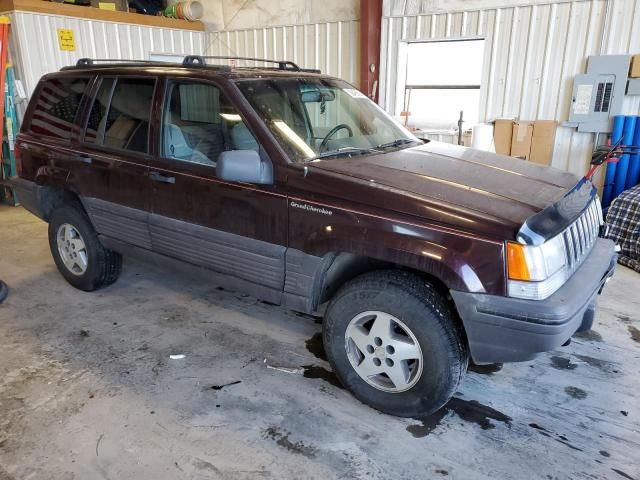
[65, 40]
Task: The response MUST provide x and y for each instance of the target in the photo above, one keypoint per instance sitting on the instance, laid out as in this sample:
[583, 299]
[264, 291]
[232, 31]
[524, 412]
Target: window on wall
[443, 78]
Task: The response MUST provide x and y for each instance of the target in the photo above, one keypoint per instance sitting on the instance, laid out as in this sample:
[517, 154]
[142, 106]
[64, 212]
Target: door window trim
[168, 81]
[114, 150]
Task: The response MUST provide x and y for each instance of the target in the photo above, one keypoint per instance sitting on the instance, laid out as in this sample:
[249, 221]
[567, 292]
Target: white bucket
[482, 138]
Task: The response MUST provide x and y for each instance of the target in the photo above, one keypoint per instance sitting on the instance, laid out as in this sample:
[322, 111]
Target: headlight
[536, 272]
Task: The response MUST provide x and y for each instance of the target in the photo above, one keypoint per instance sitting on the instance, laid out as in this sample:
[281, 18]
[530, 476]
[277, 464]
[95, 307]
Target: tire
[98, 267]
[422, 325]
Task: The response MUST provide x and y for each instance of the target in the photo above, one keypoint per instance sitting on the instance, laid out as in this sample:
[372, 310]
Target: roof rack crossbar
[201, 60]
[84, 62]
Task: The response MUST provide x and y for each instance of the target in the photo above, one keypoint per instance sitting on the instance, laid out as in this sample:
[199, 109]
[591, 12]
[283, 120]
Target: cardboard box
[542, 141]
[634, 72]
[521, 139]
[113, 5]
[502, 132]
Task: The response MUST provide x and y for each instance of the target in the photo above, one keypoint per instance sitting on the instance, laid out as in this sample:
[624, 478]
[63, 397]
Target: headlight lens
[535, 272]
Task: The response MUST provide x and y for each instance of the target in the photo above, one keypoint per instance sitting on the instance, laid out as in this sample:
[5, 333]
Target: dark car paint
[420, 208]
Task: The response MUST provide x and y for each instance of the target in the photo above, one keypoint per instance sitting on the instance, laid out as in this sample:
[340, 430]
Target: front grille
[580, 236]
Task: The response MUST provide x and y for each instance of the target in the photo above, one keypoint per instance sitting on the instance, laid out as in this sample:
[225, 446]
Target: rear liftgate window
[120, 114]
[57, 105]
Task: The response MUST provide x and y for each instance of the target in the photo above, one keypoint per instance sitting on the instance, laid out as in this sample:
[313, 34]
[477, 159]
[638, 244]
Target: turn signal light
[516, 262]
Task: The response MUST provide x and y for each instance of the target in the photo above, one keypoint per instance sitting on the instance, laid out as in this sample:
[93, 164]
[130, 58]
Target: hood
[472, 183]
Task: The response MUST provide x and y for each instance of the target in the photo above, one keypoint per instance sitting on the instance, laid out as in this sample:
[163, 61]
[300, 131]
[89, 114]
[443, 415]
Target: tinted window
[119, 117]
[199, 124]
[56, 106]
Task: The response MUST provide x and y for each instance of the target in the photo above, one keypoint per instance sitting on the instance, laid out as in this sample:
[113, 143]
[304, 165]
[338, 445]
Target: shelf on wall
[90, 13]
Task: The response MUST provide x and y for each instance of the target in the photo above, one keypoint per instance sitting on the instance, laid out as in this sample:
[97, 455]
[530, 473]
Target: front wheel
[392, 340]
[80, 257]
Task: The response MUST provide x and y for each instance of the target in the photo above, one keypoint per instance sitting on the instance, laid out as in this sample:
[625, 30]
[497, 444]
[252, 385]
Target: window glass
[119, 117]
[199, 124]
[318, 118]
[437, 89]
[56, 107]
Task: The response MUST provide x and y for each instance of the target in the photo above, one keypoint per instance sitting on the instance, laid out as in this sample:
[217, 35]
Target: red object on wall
[370, 25]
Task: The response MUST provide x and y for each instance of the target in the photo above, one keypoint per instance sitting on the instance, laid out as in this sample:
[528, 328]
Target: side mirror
[244, 166]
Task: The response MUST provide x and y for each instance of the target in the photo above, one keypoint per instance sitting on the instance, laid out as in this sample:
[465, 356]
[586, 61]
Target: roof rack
[85, 62]
[200, 60]
[193, 60]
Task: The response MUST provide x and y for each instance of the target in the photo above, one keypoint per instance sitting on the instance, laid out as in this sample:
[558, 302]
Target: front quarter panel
[320, 223]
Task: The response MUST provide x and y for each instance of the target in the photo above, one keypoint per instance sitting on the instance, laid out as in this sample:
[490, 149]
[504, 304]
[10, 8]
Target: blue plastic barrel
[633, 175]
[623, 163]
[616, 134]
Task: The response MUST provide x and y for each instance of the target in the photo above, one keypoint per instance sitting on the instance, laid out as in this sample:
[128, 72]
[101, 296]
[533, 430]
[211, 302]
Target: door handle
[83, 159]
[158, 177]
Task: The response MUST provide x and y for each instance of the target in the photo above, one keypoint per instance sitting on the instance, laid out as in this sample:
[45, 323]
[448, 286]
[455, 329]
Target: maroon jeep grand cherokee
[294, 187]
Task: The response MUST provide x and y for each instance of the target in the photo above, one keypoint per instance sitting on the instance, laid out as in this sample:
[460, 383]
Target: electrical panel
[598, 94]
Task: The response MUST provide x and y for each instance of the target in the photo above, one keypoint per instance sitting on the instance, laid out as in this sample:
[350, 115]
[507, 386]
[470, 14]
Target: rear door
[111, 175]
[236, 229]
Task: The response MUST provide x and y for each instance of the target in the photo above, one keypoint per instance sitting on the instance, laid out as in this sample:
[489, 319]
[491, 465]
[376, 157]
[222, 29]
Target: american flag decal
[56, 107]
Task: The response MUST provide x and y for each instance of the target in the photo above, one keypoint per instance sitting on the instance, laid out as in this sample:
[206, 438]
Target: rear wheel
[78, 253]
[392, 340]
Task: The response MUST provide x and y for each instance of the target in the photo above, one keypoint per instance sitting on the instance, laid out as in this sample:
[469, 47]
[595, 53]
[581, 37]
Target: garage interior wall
[34, 49]
[330, 46]
[532, 52]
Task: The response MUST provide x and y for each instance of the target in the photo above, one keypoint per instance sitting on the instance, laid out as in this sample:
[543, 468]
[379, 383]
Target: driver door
[236, 229]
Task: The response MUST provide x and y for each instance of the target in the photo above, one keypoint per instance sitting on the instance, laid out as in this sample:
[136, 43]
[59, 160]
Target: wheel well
[346, 267]
[52, 198]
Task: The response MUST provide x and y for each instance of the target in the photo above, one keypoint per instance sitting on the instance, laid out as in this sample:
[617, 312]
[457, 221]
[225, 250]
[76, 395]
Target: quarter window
[199, 124]
[119, 117]
[57, 105]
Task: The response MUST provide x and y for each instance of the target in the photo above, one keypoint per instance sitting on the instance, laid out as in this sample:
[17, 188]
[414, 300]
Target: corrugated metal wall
[34, 48]
[531, 56]
[332, 47]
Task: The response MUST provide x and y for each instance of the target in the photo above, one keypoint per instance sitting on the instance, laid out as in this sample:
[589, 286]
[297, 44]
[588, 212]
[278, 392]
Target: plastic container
[190, 10]
[633, 175]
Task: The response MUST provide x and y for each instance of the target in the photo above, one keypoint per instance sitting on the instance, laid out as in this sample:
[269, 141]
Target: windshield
[318, 118]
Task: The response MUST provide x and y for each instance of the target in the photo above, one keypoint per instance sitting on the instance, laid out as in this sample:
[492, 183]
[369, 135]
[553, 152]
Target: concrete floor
[88, 390]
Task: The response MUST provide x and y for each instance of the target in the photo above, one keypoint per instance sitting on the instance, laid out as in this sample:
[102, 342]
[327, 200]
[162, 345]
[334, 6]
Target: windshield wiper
[343, 152]
[396, 143]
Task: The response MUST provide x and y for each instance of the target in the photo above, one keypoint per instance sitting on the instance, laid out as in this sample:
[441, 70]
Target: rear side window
[119, 117]
[56, 106]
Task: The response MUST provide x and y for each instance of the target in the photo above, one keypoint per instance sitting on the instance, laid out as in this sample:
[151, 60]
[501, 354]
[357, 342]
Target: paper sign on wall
[65, 40]
[582, 102]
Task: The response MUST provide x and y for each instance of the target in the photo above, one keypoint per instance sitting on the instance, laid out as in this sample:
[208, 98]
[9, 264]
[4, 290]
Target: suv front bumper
[503, 329]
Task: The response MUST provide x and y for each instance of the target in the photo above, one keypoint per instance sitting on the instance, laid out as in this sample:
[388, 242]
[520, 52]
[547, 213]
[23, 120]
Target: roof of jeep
[231, 72]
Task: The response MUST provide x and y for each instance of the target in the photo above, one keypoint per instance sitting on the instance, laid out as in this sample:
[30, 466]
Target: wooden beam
[90, 13]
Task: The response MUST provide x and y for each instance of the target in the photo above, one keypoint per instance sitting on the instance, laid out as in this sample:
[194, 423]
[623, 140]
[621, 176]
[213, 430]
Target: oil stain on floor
[635, 333]
[561, 363]
[315, 346]
[575, 392]
[468, 410]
